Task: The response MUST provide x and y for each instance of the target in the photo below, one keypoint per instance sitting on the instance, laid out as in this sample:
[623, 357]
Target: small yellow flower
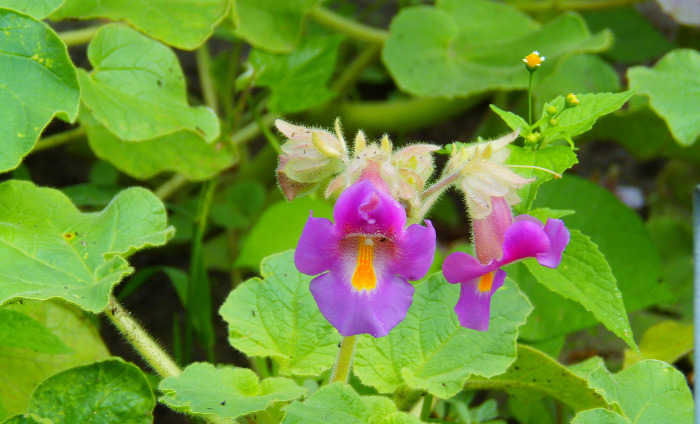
[533, 61]
[571, 100]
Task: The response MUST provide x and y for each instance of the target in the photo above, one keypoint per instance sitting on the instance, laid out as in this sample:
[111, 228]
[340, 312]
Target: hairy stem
[205, 80]
[343, 364]
[78, 36]
[347, 26]
[59, 139]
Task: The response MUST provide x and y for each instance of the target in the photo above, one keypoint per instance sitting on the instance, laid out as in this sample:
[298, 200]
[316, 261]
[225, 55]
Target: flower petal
[524, 239]
[415, 252]
[317, 249]
[460, 267]
[362, 208]
[559, 237]
[474, 307]
[354, 312]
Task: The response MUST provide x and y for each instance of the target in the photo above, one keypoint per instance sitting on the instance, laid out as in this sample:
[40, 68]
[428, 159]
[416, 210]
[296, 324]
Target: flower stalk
[343, 363]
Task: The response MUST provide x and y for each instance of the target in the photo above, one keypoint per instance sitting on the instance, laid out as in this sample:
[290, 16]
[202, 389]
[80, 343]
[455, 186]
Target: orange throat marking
[485, 282]
[364, 277]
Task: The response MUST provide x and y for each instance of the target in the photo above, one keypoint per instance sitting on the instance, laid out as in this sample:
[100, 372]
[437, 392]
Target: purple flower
[526, 237]
[367, 258]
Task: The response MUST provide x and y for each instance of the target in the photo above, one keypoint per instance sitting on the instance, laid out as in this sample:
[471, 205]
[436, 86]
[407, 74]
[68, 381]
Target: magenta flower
[367, 258]
[526, 237]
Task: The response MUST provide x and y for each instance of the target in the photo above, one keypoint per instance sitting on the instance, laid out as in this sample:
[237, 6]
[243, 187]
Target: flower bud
[571, 100]
[533, 61]
[551, 110]
[553, 122]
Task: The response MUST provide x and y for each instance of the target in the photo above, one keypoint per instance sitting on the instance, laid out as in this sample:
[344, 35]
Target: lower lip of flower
[364, 277]
[486, 282]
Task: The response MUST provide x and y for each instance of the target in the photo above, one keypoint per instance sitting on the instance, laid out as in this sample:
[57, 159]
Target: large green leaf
[340, 404]
[666, 341]
[648, 392]
[621, 237]
[48, 248]
[585, 277]
[228, 392]
[673, 86]
[37, 82]
[273, 25]
[599, 416]
[38, 9]
[534, 374]
[181, 23]
[277, 317]
[265, 238]
[581, 118]
[459, 48]
[183, 152]
[27, 419]
[107, 392]
[636, 39]
[429, 349]
[298, 79]
[19, 330]
[137, 89]
[21, 370]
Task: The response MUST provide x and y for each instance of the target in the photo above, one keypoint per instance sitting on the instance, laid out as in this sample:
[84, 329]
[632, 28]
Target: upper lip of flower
[363, 287]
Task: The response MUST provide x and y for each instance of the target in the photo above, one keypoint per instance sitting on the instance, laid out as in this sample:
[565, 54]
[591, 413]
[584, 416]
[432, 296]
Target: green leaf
[19, 330]
[673, 87]
[138, 99]
[623, 240]
[579, 119]
[21, 370]
[515, 122]
[182, 24]
[298, 79]
[534, 374]
[576, 74]
[599, 416]
[238, 204]
[543, 213]
[277, 317]
[265, 238]
[636, 40]
[58, 251]
[554, 158]
[460, 48]
[273, 25]
[38, 82]
[647, 392]
[228, 392]
[340, 404]
[666, 341]
[37, 9]
[183, 152]
[27, 419]
[113, 391]
[429, 350]
[585, 277]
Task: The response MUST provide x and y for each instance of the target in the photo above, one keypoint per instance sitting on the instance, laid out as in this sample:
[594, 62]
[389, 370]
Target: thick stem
[252, 130]
[347, 26]
[149, 350]
[427, 407]
[343, 364]
[78, 36]
[169, 187]
[205, 80]
[59, 139]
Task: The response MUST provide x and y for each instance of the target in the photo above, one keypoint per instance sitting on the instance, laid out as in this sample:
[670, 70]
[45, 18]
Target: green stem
[205, 80]
[529, 100]
[427, 407]
[169, 187]
[79, 36]
[252, 130]
[265, 128]
[563, 6]
[343, 364]
[353, 71]
[59, 139]
[347, 26]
